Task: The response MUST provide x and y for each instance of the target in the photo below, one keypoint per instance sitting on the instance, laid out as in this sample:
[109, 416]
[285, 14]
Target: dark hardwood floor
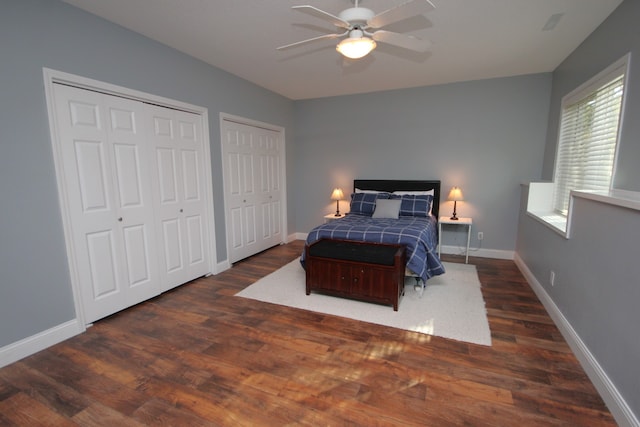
[200, 356]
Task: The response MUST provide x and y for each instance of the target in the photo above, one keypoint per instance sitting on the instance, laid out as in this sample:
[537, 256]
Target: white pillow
[368, 191]
[416, 193]
[387, 208]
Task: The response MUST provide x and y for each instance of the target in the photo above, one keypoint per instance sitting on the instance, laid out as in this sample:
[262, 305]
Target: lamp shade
[337, 194]
[356, 47]
[455, 194]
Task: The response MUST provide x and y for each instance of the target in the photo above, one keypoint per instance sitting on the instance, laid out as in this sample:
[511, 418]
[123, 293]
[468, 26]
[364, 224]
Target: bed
[416, 226]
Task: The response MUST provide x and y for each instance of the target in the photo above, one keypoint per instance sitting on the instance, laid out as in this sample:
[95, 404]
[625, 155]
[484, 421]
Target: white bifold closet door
[179, 194]
[105, 152]
[252, 168]
[133, 175]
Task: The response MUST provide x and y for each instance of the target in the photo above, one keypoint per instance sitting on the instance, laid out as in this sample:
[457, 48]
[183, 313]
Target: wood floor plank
[158, 412]
[66, 400]
[199, 355]
[22, 410]
[99, 415]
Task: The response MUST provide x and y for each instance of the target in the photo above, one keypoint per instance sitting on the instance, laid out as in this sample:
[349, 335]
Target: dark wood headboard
[392, 185]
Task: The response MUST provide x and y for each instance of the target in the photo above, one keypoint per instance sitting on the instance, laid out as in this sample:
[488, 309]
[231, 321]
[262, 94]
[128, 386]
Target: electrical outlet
[480, 235]
[552, 278]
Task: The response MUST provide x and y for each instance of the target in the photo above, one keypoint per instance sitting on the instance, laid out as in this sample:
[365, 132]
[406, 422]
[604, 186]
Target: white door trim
[283, 171]
[54, 76]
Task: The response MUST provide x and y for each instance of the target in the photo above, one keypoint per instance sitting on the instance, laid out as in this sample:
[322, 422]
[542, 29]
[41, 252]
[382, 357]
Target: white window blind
[588, 138]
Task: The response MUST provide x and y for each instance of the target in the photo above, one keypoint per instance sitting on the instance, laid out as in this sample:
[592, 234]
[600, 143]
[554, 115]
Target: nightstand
[460, 221]
[332, 216]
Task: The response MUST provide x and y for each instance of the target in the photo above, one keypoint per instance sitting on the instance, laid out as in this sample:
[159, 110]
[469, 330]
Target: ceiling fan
[357, 23]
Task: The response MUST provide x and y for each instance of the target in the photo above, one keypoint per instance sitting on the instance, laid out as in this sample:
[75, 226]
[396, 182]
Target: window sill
[622, 198]
[539, 207]
[539, 204]
[554, 221]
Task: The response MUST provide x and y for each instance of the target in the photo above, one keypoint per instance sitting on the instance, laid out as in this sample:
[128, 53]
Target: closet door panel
[167, 177]
[248, 172]
[190, 165]
[102, 265]
[172, 237]
[266, 220]
[233, 173]
[265, 176]
[131, 173]
[138, 257]
[236, 229]
[127, 162]
[191, 148]
[177, 141]
[250, 225]
[195, 243]
[137, 229]
[168, 202]
[268, 149]
[276, 215]
[91, 178]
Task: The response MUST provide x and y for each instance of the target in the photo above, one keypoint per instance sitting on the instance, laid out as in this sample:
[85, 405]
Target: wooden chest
[372, 272]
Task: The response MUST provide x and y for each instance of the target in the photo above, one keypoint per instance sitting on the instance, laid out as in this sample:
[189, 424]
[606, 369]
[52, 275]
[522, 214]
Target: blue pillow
[365, 203]
[419, 205]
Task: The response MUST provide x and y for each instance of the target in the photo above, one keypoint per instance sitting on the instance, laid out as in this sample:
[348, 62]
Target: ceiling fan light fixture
[355, 48]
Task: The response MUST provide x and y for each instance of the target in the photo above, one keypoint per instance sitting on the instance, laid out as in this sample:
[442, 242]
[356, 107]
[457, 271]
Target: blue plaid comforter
[418, 234]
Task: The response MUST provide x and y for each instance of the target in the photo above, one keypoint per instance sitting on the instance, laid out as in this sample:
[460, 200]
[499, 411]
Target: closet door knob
[181, 210]
[120, 219]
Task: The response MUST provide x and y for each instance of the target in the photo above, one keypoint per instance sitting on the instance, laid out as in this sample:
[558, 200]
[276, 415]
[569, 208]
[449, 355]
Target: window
[588, 135]
[590, 119]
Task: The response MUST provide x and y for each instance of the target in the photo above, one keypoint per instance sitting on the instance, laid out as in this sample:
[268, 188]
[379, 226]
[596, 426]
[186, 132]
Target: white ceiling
[472, 40]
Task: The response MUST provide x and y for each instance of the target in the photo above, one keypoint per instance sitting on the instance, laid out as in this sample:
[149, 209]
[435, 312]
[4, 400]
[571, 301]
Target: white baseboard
[622, 413]
[225, 265]
[33, 344]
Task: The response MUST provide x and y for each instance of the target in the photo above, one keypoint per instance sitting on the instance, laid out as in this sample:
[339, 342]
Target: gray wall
[486, 137]
[35, 290]
[597, 285]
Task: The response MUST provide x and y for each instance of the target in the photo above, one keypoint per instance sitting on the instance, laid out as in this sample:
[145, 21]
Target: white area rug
[450, 307]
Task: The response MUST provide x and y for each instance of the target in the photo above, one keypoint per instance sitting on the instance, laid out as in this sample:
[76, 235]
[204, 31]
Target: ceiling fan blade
[401, 40]
[314, 11]
[325, 36]
[400, 12]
